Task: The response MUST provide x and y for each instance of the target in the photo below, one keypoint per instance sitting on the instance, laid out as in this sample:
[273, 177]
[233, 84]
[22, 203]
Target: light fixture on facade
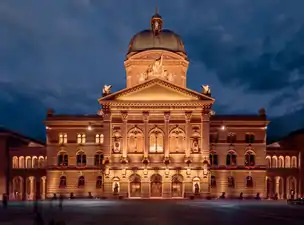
[89, 127]
[223, 127]
[47, 128]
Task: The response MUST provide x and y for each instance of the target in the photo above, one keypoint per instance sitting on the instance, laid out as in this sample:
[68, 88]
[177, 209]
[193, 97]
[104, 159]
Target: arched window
[99, 138]
[213, 181]
[156, 141]
[62, 182]
[81, 181]
[293, 162]
[231, 159]
[135, 140]
[231, 181]
[35, 162]
[249, 138]
[287, 161]
[274, 162]
[99, 182]
[98, 159]
[249, 182]
[41, 162]
[177, 140]
[63, 159]
[28, 161]
[15, 162]
[21, 162]
[281, 162]
[249, 159]
[268, 161]
[213, 159]
[81, 159]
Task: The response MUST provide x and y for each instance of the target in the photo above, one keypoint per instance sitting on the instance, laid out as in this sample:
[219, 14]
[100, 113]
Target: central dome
[156, 38]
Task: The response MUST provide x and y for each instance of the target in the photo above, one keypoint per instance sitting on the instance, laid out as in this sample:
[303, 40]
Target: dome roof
[147, 40]
[156, 38]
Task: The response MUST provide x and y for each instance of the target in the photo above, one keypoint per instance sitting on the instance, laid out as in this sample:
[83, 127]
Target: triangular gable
[156, 89]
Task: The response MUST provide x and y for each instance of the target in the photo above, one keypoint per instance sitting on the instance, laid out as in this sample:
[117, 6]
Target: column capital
[188, 115]
[124, 115]
[167, 116]
[205, 117]
[146, 115]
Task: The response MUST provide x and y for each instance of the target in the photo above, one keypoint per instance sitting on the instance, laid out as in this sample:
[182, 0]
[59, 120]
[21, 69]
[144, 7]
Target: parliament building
[154, 139]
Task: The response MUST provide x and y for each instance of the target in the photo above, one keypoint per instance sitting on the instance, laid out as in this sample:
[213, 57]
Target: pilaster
[166, 138]
[107, 131]
[124, 117]
[205, 135]
[188, 116]
[146, 134]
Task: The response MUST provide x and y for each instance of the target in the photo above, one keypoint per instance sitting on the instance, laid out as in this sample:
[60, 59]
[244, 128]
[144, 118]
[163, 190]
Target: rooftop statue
[106, 90]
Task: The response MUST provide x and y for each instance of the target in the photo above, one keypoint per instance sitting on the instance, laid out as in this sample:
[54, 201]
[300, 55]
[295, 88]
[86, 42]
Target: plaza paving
[157, 212]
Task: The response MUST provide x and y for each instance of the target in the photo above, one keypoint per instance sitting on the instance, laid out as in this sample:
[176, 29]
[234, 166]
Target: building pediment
[156, 90]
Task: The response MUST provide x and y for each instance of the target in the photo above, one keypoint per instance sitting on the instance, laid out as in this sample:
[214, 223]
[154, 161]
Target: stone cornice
[164, 83]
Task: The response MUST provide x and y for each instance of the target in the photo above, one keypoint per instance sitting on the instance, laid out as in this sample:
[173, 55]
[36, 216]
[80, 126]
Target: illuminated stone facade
[156, 138]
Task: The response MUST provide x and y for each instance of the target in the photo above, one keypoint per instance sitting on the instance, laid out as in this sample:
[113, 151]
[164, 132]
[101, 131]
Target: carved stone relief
[195, 140]
[117, 139]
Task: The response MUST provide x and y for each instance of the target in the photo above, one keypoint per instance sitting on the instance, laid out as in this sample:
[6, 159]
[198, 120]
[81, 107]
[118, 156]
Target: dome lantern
[156, 23]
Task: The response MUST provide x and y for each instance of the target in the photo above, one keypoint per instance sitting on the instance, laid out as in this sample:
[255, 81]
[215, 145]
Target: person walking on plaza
[4, 201]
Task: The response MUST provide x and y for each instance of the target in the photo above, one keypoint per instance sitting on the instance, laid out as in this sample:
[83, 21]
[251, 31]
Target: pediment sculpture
[106, 90]
[156, 70]
[206, 90]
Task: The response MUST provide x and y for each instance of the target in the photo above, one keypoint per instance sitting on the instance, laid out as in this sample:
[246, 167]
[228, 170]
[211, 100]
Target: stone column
[205, 135]
[166, 138]
[107, 130]
[146, 133]
[188, 133]
[205, 181]
[124, 117]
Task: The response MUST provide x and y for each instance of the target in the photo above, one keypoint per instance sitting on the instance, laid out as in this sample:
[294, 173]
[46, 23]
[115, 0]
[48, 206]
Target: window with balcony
[98, 159]
[63, 159]
[81, 159]
[249, 159]
[231, 159]
[213, 159]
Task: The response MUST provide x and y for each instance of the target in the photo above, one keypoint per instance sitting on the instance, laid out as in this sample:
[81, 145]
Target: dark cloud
[60, 53]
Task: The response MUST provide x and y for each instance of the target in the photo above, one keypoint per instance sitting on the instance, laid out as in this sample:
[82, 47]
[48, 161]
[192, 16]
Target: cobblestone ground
[156, 212]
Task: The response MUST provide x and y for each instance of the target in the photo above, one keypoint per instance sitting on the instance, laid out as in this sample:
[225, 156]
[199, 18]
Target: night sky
[58, 54]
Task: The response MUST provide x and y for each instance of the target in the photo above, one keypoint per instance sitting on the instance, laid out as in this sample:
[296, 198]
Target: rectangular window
[99, 139]
[63, 138]
[81, 138]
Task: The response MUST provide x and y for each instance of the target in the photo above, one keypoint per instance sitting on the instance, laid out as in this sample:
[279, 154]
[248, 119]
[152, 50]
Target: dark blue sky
[58, 54]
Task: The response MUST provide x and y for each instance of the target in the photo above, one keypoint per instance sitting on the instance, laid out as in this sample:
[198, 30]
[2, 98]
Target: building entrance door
[156, 185]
